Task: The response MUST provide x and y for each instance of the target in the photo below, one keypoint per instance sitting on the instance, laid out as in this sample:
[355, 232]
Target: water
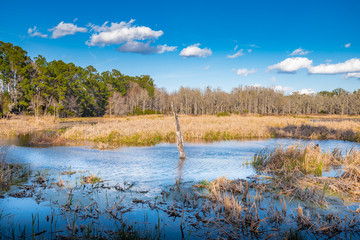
[148, 169]
[159, 165]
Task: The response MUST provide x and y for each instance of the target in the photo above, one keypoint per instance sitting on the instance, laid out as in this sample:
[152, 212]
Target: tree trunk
[179, 139]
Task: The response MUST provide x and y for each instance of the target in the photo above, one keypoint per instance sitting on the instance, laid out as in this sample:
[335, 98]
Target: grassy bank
[148, 130]
[298, 169]
[291, 193]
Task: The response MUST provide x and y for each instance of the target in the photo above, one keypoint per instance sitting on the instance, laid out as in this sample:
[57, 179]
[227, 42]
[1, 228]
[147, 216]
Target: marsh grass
[92, 179]
[298, 169]
[10, 173]
[153, 129]
[252, 209]
[307, 159]
[307, 131]
[5, 168]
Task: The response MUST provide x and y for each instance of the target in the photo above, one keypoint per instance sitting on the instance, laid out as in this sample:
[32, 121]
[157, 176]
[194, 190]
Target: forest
[38, 87]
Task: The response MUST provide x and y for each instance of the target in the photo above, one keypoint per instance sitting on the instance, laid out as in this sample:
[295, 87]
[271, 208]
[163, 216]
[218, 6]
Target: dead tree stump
[179, 138]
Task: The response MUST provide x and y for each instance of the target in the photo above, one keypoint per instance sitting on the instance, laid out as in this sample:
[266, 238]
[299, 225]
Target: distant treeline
[38, 87]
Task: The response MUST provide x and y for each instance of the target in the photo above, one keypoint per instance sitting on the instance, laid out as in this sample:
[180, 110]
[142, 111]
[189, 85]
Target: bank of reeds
[307, 159]
[253, 209]
[298, 168]
[9, 172]
[318, 132]
[149, 130]
[5, 169]
[262, 207]
[288, 174]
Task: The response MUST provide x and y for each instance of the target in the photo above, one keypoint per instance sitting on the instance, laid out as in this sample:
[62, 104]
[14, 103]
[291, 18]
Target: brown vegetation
[10, 173]
[152, 129]
[264, 205]
[297, 171]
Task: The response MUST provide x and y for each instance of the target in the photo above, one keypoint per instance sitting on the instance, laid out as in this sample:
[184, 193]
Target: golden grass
[297, 169]
[152, 129]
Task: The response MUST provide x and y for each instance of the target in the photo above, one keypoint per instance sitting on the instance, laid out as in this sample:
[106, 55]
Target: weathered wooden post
[179, 139]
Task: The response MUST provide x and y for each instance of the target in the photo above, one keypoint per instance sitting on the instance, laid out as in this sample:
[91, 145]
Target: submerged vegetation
[10, 173]
[298, 169]
[292, 196]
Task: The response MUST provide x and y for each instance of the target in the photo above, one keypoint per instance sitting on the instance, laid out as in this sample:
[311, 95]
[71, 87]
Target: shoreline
[148, 130]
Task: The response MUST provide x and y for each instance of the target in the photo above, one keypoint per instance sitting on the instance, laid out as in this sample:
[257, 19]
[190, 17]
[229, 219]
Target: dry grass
[308, 159]
[10, 173]
[148, 130]
[297, 171]
[241, 209]
[263, 204]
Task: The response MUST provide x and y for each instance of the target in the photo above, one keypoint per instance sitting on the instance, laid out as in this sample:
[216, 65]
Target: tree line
[38, 87]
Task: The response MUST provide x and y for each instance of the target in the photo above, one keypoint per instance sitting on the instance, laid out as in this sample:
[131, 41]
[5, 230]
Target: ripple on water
[159, 165]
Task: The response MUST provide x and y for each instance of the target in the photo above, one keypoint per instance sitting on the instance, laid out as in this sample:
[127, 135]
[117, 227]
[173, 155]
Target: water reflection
[158, 166]
[180, 171]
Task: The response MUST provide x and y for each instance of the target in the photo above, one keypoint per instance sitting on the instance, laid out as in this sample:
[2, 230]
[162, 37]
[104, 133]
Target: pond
[138, 173]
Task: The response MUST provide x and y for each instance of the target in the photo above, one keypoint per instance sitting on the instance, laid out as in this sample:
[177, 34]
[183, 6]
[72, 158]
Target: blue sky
[289, 45]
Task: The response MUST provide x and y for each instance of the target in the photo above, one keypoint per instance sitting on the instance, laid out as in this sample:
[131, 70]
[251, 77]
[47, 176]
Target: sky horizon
[305, 46]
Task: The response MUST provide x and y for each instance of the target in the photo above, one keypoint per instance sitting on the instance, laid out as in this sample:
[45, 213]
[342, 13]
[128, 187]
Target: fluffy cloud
[291, 65]
[207, 67]
[348, 45]
[63, 29]
[282, 89]
[299, 52]
[306, 91]
[195, 51]
[244, 72]
[352, 75]
[237, 54]
[144, 48]
[34, 32]
[351, 65]
[119, 33]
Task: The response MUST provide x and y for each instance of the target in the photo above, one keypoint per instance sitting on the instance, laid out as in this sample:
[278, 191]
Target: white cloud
[63, 29]
[34, 32]
[244, 72]
[144, 48]
[256, 85]
[119, 33]
[352, 75]
[195, 51]
[291, 65]
[300, 52]
[236, 47]
[351, 65]
[237, 54]
[207, 67]
[282, 89]
[348, 45]
[306, 91]
[254, 46]
[249, 50]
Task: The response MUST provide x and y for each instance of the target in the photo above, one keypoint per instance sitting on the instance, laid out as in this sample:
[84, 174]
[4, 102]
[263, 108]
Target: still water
[149, 170]
[158, 166]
